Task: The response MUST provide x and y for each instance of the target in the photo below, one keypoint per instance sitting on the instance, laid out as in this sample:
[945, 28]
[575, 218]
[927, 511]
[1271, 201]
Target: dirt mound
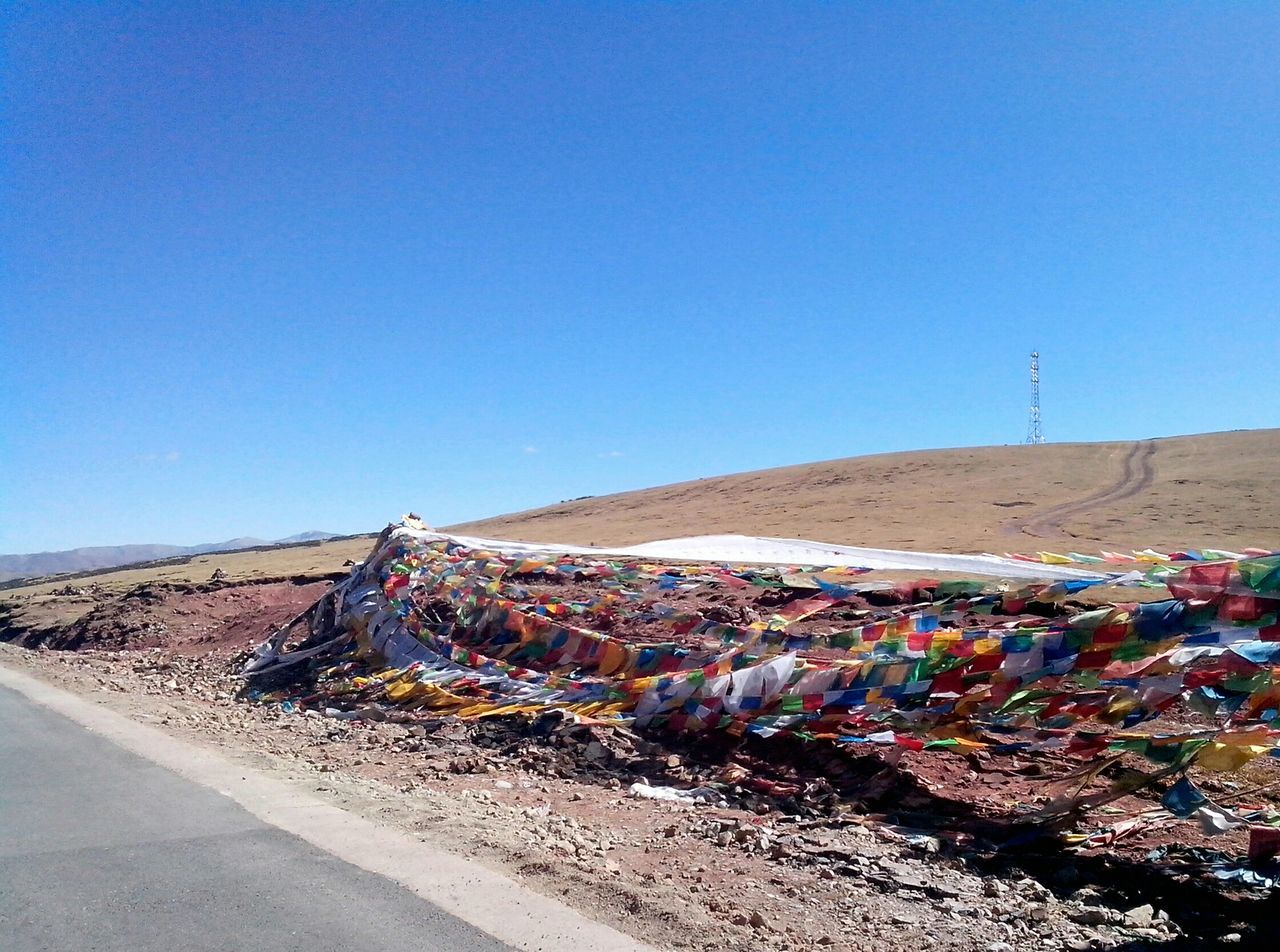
[182, 619]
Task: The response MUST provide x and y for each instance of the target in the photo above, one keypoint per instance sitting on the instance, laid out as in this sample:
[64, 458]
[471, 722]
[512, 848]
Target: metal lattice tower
[1034, 432]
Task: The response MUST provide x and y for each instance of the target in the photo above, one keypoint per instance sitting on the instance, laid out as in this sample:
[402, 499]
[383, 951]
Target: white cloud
[172, 456]
[530, 450]
[612, 454]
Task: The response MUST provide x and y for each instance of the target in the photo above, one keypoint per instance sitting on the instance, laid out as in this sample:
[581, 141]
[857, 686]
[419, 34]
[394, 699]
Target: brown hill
[1220, 490]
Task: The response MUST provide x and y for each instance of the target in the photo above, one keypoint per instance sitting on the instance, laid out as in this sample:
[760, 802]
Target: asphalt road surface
[102, 850]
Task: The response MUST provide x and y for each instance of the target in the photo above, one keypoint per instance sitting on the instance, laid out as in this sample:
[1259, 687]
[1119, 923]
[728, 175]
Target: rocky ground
[570, 808]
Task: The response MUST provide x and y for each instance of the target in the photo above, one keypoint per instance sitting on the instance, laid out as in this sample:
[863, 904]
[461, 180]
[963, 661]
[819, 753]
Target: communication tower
[1035, 434]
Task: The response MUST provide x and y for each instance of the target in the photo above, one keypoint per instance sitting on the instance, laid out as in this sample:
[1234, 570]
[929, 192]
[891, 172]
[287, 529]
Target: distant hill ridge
[37, 564]
[1215, 490]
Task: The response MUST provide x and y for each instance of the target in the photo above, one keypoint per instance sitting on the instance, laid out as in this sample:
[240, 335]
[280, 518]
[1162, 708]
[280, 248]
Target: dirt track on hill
[1137, 475]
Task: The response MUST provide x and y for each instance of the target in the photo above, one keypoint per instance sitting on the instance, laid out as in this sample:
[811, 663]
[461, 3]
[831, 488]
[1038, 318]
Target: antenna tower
[1034, 432]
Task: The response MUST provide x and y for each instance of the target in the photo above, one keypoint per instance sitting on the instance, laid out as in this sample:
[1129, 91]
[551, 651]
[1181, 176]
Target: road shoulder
[473, 893]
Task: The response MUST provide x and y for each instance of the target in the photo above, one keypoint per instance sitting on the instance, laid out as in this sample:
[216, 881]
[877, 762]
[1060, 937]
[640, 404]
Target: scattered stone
[1090, 916]
[1140, 917]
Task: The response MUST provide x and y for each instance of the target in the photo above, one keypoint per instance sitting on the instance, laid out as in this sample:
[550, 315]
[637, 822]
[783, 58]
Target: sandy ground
[1215, 490]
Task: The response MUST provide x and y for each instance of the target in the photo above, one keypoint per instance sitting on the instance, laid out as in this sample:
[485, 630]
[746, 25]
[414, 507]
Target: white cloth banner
[766, 551]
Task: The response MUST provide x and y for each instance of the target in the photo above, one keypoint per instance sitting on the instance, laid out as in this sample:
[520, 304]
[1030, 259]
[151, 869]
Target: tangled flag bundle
[443, 625]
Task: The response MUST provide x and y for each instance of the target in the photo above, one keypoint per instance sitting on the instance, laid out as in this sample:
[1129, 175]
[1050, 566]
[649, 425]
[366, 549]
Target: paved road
[103, 851]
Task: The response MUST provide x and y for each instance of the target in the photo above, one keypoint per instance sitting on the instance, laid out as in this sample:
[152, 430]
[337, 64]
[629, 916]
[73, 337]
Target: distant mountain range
[37, 564]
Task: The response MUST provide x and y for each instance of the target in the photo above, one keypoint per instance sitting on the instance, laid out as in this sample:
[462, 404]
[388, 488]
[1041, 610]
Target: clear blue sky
[266, 268]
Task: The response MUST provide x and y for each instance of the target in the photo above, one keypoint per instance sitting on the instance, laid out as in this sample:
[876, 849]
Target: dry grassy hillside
[49, 604]
[1216, 489]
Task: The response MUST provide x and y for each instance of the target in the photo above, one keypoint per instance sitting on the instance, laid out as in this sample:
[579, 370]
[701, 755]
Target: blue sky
[274, 268]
